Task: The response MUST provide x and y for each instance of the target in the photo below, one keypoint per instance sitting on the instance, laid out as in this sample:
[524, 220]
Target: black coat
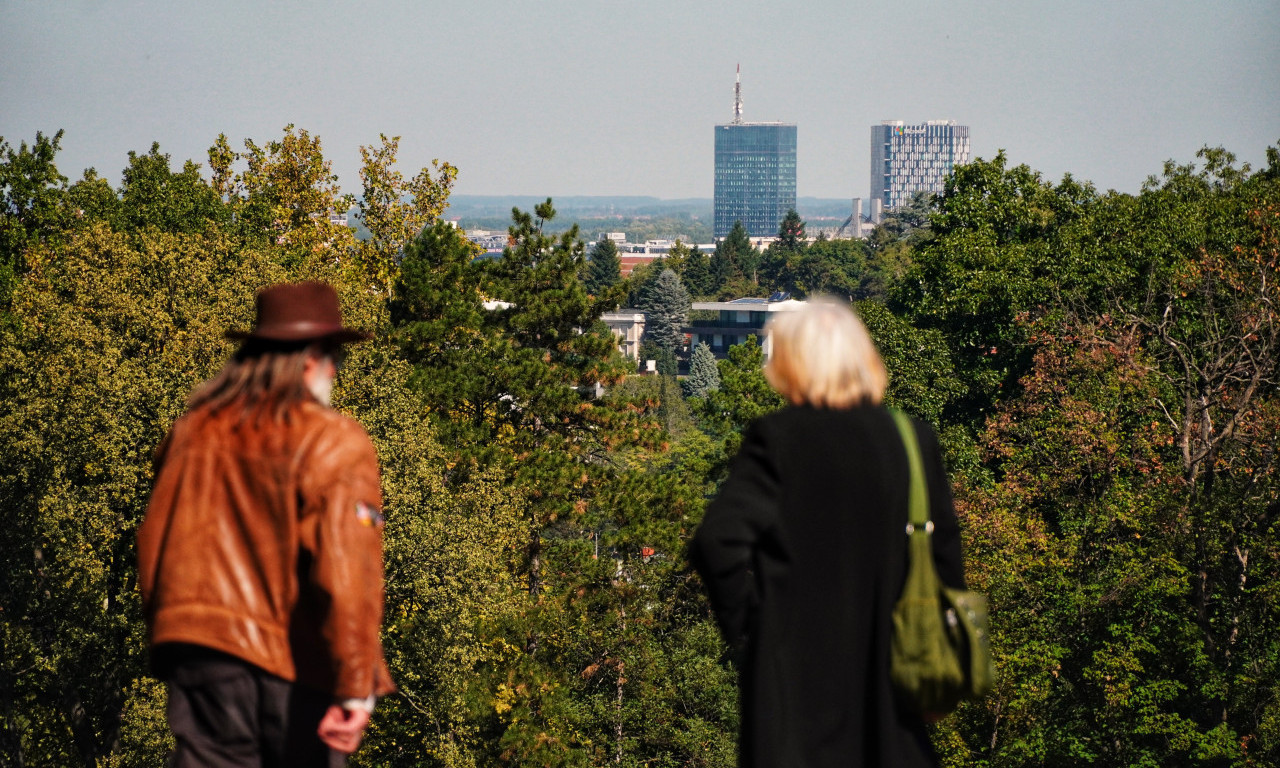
[804, 555]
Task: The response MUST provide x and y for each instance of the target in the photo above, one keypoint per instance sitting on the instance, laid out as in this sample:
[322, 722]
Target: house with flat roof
[736, 320]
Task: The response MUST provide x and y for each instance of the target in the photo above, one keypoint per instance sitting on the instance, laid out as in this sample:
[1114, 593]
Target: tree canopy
[1103, 369]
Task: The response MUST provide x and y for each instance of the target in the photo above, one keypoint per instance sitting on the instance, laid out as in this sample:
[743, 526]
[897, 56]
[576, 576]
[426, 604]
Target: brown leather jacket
[263, 540]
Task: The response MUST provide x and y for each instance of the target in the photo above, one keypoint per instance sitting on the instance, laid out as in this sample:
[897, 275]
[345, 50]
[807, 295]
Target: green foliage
[1119, 519]
[144, 736]
[664, 359]
[697, 273]
[556, 348]
[744, 394]
[109, 337]
[666, 311]
[790, 232]
[704, 375]
[1103, 371]
[827, 266]
[641, 229]
[153, 196]
[735, 257]
[32, 210]
[452, 546]
[391, 220]
[604, 270]
[922, 379]
[909, 223]
[286, 193]
[996, 257]
[642, 280]
[660, 396]
[677, 257]
[1077, 545]
[441, 327]
[111, 329]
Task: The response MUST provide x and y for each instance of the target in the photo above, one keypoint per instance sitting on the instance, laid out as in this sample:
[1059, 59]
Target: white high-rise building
[906, 159]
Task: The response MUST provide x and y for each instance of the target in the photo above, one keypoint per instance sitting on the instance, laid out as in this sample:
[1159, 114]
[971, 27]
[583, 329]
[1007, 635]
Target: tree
[666, 311]
[451, 544]
[112, 334]
[290, 192]
[744, 394]
[791, 232]
[677, 258]
[1077, 545]
[922, 377]
[392, 220]
[826, 266]
[665, 360]
[704, 376]
[999, 253]
[554, 442]
[1128, 483]
[441, 326]
[726, 261]
[909, 222]
[31, 203]
[604, 270]
[697, 273]
[152, 195]
[113, 329]
[642, 280]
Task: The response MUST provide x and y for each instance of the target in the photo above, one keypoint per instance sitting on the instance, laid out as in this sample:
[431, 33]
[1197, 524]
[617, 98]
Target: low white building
[628, 325]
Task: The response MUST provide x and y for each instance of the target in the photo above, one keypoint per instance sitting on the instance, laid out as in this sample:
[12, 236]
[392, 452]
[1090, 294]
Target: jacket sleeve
[341, 538]
[946, 530]
[723, 549]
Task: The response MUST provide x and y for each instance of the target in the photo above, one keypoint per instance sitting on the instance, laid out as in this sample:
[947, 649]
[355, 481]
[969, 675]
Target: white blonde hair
[822, 355]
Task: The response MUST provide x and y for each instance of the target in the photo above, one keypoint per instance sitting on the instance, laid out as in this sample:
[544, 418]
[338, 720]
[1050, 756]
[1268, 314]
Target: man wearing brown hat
[260, 558]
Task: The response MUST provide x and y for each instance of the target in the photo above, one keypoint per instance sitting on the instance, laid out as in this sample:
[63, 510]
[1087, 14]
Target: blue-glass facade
[755, 176]
[906, 159]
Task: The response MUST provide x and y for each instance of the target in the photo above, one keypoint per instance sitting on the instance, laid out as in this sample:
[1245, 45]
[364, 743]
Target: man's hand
[341, 729]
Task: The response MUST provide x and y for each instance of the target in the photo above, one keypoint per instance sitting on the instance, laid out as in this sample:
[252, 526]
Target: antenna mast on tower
[737, 97]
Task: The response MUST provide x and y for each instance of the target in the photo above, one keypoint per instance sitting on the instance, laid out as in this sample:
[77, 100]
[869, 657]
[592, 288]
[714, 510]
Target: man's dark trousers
[227, 712]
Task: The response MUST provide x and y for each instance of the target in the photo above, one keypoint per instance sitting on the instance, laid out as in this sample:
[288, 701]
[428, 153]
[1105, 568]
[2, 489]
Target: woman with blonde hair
[804, 553]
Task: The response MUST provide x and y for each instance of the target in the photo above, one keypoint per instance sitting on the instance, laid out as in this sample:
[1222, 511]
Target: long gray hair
[260, 378]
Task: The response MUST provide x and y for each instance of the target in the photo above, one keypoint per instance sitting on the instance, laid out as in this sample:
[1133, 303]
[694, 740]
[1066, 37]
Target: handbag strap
[918, 496]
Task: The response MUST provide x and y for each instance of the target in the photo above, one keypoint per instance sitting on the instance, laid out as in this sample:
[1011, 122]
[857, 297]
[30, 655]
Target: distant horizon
[628, 96]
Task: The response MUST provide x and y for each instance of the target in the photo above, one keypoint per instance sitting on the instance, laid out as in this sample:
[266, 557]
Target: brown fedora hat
[292, 312]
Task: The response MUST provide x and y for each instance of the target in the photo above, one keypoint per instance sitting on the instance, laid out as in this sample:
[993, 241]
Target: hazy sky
[620, 98]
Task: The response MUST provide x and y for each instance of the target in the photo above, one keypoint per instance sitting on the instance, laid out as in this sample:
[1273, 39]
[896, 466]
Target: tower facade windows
[755, 173]
[755, 176]
[906, 159]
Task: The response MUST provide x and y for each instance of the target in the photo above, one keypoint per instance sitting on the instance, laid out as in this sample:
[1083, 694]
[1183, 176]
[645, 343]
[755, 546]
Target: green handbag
[941, 652]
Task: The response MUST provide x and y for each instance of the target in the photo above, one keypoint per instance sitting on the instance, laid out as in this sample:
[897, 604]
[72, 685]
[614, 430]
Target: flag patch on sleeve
[368, 516]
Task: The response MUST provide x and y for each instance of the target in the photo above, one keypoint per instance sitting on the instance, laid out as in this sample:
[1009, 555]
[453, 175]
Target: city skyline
[597, 100]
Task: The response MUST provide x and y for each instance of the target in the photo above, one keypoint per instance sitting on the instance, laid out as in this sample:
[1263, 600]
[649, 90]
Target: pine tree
[697, 273]
[791, 232]
[642, 280]
[734, 257]
[704, 376]
[604, 270]
[667, 306]
[721, 267]
[745, 257]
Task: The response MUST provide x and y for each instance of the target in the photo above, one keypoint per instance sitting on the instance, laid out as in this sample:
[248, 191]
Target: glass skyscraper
[755, 176]
[906, 159]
